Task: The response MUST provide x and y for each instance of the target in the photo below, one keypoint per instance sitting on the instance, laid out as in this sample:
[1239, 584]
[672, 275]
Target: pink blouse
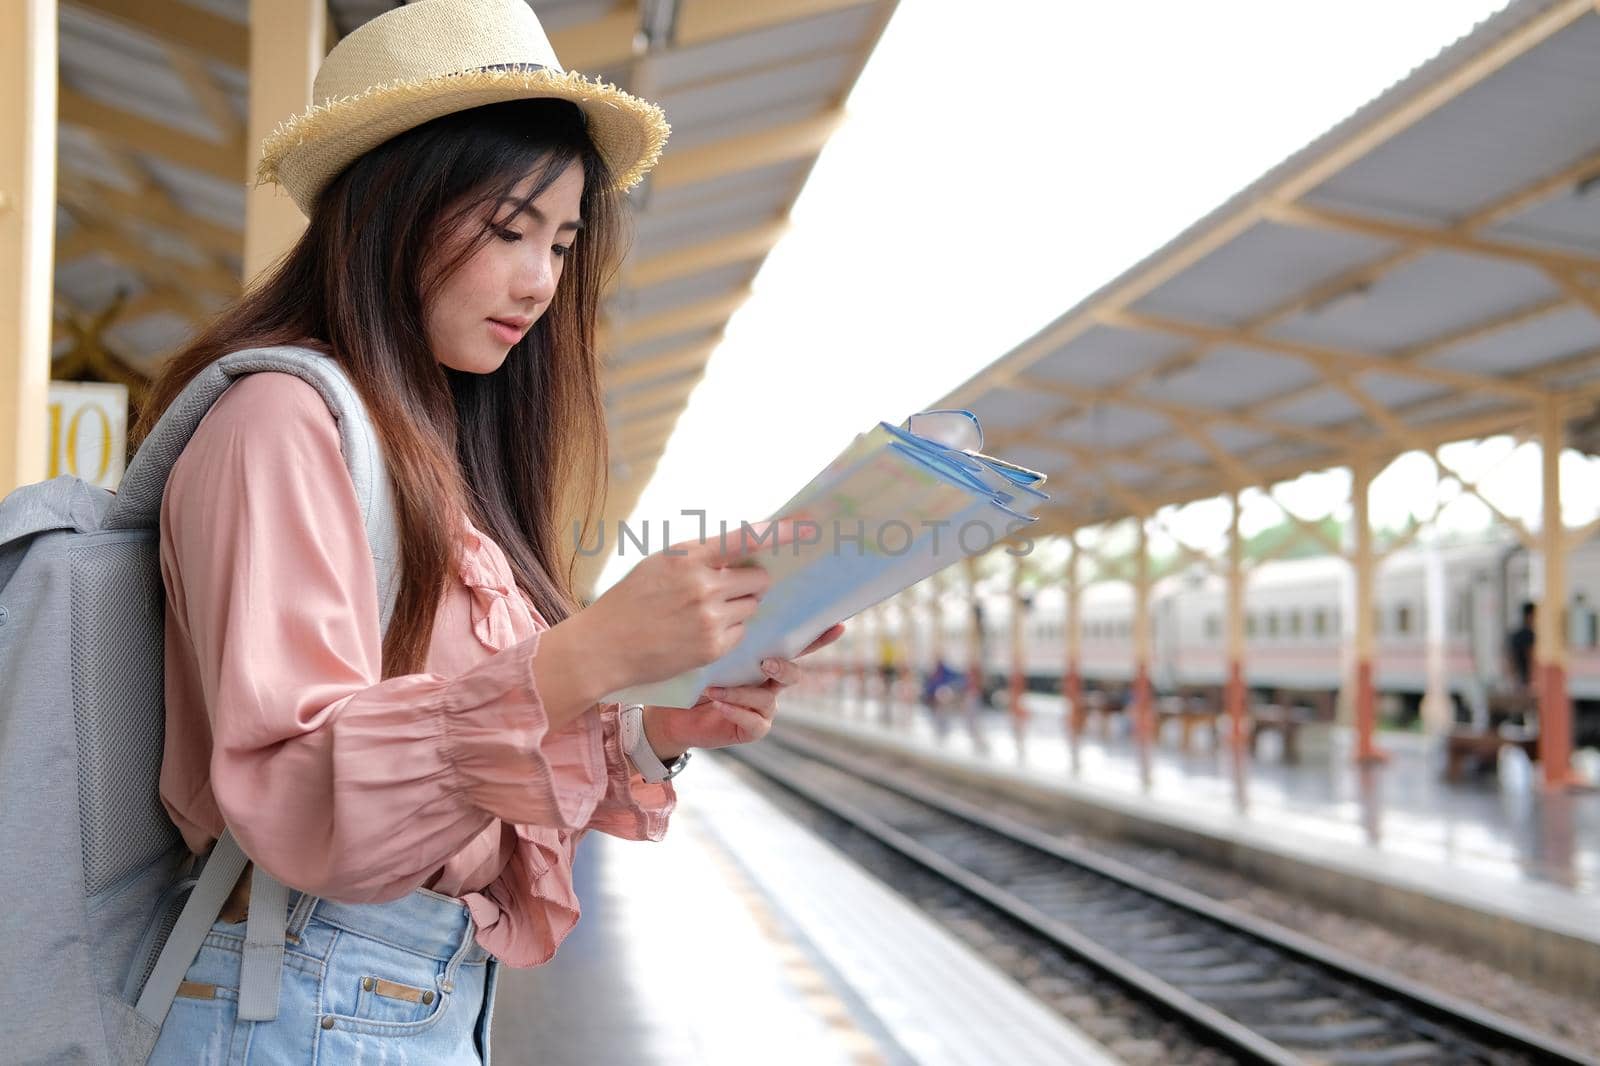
[337, 782]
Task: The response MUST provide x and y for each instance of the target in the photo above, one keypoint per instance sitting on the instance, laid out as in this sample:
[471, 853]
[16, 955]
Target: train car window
[1272, 623]
[1402, 619]
[1319, 622]
[1294, 623]
[1250, 625]
[1213, 627]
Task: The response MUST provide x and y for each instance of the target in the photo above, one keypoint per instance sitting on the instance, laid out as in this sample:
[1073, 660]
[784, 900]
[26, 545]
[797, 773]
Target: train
[1296, 628]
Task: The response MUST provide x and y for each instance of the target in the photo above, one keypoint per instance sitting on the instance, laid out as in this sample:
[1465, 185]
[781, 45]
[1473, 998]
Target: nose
[537, 282]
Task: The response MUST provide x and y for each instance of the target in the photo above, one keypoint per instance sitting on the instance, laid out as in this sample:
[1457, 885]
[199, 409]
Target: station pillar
[1072, 676]
[1234, 701]
[975, 652]
[288, 39]
[1550, 640]
[908, 651]
[1018, 709]
[1363, 560]
[28, 62]
[1143, 711]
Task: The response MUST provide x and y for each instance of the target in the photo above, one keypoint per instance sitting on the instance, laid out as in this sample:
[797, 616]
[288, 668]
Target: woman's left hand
[737, 714]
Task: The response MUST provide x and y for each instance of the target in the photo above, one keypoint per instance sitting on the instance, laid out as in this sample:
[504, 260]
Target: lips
[506, 331]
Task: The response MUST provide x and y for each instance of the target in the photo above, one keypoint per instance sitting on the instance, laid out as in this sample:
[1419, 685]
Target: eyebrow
[576, 225]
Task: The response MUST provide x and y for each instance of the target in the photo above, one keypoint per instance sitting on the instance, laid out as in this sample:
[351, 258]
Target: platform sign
[88, 428]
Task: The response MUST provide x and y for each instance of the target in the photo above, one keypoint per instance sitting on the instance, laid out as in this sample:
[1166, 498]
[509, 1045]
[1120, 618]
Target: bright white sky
[1000, 162]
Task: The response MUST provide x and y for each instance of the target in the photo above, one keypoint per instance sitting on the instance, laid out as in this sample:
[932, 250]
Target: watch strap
[637, 745]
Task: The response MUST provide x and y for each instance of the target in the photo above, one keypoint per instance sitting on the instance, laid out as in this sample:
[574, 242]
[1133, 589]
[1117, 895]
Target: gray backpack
[103, 913]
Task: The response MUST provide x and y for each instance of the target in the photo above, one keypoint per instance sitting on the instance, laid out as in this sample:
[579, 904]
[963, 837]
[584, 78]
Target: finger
[740, 547]
[732, 582]
[748, 724]
[782, 671]
[758, 698]
[830, 635]
[742, 609]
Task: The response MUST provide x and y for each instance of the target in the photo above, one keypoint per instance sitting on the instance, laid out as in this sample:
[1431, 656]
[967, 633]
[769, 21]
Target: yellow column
[1235, 691]
[1019, 713]
[1365, 562]
[969, 567]
[1072, 687]
[1550, 627]
[1144, 725]
[935, 620]
[27, 234]
[287, 42]
[907, 603]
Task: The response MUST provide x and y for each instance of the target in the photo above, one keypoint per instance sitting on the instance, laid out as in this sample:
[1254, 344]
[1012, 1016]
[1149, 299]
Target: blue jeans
[400, 982]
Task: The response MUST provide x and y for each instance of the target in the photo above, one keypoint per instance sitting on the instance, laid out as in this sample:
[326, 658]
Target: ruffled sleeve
[338, 782]
[632, 807]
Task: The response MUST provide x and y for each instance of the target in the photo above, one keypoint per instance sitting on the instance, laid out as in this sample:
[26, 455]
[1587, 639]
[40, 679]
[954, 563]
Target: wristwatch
[637, 745]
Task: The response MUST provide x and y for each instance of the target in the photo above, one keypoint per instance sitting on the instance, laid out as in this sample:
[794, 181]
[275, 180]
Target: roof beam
[1319, 355]
[752, 243]
[89, 239]
[678, 320]
[1176, 412]
[1439, 239]
[705, 20]
[208, 94]
[656, 394]
[693, 355]
[128, 130]
[145, 206]
[163, 300]
[746, 151]
[181, 24]
[602, 42]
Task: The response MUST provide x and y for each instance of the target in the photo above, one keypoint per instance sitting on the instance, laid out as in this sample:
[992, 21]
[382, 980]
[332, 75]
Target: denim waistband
[423, 922]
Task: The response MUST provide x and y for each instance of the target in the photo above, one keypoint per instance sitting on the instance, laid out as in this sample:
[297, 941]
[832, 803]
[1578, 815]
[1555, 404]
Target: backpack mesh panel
[118, 696]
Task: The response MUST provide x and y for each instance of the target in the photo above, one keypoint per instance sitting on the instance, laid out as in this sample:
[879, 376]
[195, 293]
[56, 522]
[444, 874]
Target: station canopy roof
[1427, 271]
[153, 161]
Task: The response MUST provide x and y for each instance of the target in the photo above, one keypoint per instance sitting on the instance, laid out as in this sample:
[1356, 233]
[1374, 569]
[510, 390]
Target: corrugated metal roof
[1427, 270]
[152, 170]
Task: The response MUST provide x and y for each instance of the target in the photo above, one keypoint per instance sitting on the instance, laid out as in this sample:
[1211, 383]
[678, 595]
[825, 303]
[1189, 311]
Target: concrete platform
[1501, 871]
[741, 938]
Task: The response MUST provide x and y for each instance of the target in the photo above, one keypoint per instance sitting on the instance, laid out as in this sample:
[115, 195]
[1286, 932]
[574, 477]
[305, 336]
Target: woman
[425, 790]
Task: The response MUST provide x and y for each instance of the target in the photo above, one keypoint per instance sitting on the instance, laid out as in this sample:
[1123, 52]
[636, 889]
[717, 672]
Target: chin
[486, 364]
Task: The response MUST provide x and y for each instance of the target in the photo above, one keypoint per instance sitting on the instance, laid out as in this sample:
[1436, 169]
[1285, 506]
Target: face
[496, 296]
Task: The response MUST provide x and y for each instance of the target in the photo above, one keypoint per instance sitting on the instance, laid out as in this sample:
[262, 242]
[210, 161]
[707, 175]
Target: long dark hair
[522, 450]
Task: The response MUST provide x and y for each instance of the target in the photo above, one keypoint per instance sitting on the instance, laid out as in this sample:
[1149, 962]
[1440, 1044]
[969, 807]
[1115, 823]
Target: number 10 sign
[88, 431]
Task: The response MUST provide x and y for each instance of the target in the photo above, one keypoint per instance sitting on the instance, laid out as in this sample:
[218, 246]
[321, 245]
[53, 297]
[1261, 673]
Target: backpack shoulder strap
[137, 504]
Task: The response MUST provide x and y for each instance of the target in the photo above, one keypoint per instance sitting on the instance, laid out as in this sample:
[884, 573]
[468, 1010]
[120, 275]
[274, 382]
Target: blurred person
[465, 205]
[1519, 648]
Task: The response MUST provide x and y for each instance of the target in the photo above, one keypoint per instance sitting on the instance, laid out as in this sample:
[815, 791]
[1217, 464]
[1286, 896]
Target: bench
[1191, 706]
[1481, 746]
[1288, 710]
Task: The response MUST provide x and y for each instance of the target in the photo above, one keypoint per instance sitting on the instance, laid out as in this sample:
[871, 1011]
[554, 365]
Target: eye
[507, 235]
[562, 250]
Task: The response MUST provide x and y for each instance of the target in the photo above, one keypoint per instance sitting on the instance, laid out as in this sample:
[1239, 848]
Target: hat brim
[305, 152]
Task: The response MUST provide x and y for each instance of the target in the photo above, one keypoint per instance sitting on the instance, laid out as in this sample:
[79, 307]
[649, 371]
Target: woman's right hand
[684, 607]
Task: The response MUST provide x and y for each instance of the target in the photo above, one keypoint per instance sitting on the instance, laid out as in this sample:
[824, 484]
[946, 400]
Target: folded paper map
[900, 503]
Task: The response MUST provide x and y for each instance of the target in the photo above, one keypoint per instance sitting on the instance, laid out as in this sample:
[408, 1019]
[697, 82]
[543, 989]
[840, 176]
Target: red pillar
[1550, 647]
[1364, 561]
[1235, 705]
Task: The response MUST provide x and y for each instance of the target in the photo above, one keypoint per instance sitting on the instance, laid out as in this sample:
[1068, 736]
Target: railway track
[1256, 990]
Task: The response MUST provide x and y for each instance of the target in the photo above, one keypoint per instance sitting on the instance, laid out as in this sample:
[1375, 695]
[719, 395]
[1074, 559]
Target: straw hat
[436, 57]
